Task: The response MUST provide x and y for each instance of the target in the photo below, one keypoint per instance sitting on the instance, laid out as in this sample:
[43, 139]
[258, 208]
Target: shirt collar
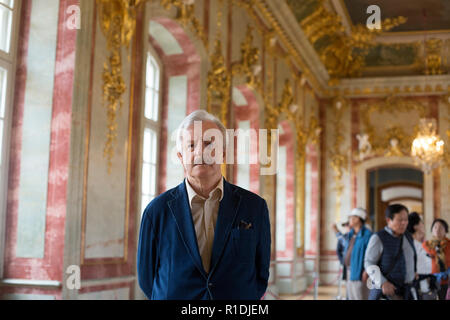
[191, 192]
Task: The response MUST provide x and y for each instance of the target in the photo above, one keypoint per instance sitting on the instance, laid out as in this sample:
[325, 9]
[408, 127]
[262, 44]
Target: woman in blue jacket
[355, 249]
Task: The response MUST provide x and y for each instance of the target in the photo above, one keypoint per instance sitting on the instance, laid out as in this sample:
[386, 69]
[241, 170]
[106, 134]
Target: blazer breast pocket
[244, 244]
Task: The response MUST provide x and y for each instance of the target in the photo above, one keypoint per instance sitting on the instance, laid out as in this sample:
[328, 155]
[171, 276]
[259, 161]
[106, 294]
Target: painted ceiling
[417, 43]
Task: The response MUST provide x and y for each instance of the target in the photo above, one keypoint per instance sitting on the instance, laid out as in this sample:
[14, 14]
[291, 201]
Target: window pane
[150, 76]
[8, 3]
[152, 179]
[5, 28]
[147, 147]
[156, 80]
[3, 74]
[155, 106]
[145, 178]
[154, 147]
[152, 90]
[148, 103]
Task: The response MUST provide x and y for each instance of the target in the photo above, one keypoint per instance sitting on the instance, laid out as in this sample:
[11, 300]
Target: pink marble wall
[49, 268]
[287, 140]
[312, 158]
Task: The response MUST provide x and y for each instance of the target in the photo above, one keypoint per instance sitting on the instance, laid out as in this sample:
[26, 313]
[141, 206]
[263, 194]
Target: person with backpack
[390, 258]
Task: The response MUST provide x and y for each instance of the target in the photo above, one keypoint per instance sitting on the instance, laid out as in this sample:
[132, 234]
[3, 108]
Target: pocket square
[244, 225]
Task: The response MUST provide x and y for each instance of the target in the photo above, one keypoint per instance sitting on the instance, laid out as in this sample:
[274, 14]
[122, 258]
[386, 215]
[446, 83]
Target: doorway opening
[389, 185]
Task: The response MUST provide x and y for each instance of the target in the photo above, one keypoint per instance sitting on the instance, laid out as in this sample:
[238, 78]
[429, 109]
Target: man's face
[199, 147]
[399, 223]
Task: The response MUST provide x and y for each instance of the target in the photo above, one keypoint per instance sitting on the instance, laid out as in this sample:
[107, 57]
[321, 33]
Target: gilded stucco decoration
[395, 139]
[338, 156]
[219, 76]
[118, 24]
[433, 57]
[248, 65]
[186, 17]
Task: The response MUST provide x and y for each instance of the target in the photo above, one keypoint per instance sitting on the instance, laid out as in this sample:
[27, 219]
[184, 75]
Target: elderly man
[205, 239]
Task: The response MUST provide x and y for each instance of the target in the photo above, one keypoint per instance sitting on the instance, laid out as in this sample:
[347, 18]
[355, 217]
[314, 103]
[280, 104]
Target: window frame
[150, 124]
[12, 41]
[8, 61]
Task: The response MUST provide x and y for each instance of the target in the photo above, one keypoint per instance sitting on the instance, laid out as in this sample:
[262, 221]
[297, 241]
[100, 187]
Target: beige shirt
[204, 213]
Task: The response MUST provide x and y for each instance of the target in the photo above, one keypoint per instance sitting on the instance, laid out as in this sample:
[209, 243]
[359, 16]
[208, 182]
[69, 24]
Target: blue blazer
[169, 265]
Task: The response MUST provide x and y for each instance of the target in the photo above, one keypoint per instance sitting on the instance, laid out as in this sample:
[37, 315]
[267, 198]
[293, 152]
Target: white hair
[199, 115]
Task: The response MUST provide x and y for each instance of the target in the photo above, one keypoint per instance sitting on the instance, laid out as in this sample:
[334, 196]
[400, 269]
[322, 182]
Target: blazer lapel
[227, 214]
[181, 211]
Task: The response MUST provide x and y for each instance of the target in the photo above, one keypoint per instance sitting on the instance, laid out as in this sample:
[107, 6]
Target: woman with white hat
[354, 252]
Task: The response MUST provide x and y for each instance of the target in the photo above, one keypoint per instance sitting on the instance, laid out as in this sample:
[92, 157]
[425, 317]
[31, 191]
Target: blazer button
[210, 285]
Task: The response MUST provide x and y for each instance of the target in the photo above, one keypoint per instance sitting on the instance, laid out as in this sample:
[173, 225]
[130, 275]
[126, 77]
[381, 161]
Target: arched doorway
[389, 185]
[395, 163]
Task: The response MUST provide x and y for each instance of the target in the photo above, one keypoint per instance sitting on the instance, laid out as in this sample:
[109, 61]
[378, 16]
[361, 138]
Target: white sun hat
[359, 212]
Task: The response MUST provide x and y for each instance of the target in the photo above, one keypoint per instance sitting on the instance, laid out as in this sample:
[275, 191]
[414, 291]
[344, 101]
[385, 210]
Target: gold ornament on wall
[118, 24]
[339, 159]
[248, 65]
[433, 57]
[219, 83]
[186, 17]
[394, 140]
[219, 76]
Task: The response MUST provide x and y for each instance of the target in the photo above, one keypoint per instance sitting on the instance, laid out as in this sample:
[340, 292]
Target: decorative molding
[386, 86]
[395, 142]
[108, 281]
[338, 158]
[30, 283]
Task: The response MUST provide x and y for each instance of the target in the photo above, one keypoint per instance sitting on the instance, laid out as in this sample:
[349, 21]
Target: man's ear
[180, 156]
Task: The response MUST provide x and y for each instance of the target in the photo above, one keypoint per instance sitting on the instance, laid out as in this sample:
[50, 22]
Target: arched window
[150, 132]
